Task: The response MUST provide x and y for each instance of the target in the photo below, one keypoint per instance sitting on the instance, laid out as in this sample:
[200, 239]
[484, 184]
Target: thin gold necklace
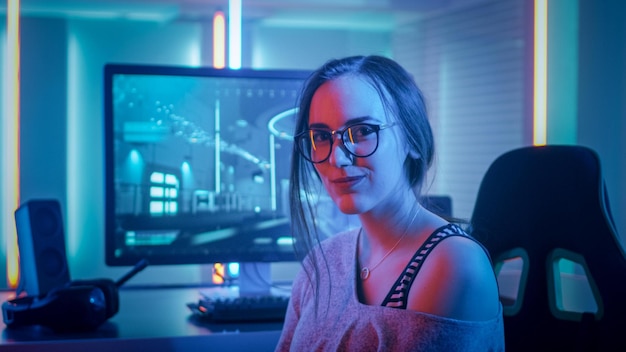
[365, 271]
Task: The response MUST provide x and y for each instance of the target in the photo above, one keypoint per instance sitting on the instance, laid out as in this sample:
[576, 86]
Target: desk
[149, 319]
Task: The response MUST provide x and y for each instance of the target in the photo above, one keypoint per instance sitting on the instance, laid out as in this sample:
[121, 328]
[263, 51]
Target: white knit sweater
[348, 325]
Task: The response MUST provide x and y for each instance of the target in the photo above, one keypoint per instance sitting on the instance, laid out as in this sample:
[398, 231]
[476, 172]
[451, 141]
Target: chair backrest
[546, 209]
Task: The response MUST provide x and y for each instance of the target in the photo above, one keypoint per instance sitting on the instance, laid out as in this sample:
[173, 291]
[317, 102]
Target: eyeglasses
[360, 140]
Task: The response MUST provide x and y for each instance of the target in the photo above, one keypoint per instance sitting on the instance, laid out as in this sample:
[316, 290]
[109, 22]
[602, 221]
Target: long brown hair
[401, 97]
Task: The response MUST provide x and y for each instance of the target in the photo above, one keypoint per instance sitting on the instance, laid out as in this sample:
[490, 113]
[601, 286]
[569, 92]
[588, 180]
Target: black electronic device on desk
[79, 305]
[265, 308]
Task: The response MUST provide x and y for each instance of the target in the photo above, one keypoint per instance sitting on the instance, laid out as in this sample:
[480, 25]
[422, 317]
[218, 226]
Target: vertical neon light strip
[234, 34]
[541, 72]
[219, 61]
[218, 150]
[11, 141]
[273, 200]
[219, 40]
[77, 175]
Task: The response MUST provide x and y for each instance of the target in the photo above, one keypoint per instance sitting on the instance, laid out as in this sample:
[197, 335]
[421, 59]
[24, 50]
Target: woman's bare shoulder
[457, 281]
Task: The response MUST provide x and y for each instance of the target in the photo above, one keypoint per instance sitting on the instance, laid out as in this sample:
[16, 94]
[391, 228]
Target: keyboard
[240, 309]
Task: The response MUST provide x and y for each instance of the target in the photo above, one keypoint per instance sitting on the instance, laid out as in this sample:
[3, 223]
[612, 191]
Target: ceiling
[363, 14]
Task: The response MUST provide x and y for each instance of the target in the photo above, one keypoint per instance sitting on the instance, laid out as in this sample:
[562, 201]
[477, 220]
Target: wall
[57, 53]
[62, 111]
[91, 44]
[301, 48]
[602, 94]
[471, 65]
[587, 87]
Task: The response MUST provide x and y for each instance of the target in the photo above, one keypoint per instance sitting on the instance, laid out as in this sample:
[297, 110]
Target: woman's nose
[339, 155]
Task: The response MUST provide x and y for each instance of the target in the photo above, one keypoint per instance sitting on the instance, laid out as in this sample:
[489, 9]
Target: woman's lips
[347, 181]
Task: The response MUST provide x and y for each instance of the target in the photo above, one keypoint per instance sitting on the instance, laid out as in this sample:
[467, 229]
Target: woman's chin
[348, 205]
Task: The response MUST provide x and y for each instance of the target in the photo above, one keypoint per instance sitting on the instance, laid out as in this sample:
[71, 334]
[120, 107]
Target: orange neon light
[218, 273]
[219, 40]
[11, 143]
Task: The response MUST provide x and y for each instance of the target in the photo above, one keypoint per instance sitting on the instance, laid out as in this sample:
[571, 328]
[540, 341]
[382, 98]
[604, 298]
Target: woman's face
[358, 184]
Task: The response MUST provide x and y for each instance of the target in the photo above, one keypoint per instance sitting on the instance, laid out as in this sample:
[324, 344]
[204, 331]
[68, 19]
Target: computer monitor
[197, 164]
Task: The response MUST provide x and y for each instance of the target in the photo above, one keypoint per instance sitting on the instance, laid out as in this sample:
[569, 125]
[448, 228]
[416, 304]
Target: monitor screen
[197, 164]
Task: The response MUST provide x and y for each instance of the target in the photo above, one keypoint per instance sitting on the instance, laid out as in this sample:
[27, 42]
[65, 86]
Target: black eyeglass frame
[376, 127]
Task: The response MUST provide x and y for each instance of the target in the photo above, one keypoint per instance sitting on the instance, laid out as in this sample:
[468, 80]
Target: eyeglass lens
[360, 140]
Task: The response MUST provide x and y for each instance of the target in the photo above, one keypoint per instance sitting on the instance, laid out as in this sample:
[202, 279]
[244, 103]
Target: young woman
[406, 279]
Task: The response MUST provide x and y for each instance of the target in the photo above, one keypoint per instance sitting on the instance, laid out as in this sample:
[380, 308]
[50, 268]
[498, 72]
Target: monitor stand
[255, 279]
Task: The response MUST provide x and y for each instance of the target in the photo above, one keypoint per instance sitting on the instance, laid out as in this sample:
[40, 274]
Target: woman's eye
[362, 130]
[320, 136]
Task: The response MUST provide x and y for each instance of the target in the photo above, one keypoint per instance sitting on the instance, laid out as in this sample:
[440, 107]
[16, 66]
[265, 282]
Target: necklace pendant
[365, 273]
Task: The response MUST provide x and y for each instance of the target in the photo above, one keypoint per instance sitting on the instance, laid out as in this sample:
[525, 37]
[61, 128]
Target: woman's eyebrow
[348, 123]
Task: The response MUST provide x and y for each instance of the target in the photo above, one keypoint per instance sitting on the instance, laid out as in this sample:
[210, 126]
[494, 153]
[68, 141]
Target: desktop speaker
[41, 242]
[51, 299]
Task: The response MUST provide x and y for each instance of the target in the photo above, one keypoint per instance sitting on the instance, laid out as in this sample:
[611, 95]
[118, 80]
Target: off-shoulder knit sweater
[348, 325]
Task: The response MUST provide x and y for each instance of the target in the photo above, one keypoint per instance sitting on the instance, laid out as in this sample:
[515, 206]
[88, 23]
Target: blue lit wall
[62, 154]
[62, 114]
